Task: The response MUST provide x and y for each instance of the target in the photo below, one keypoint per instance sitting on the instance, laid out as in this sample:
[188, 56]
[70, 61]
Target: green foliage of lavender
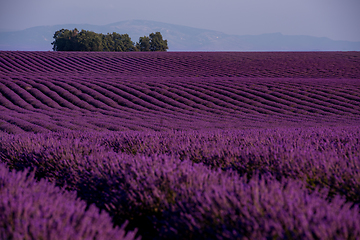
[290, 183]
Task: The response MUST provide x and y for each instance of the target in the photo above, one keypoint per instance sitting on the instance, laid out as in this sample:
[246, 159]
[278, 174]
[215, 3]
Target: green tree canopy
[73, 40]
[144, 43]
[115, 42]
[89, 41]
[65, 40]
[157, 43]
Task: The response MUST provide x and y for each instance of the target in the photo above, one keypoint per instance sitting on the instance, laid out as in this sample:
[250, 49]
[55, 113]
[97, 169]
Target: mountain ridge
[180, 38]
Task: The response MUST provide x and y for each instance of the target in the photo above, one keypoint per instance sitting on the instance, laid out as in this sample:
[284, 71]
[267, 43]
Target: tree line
[74, 40]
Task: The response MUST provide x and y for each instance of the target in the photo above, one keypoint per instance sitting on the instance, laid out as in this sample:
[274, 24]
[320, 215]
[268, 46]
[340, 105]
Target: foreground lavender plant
[39, 210]
[275, 183]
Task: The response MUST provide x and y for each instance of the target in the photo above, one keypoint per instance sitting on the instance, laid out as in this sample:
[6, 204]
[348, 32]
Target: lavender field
[190, 145]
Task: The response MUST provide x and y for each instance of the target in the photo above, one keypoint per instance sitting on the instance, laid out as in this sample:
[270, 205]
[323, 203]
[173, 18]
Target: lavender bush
[39, 210]
[162, 182]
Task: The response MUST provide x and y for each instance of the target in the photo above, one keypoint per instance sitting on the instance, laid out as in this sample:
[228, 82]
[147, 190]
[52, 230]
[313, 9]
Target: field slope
[205, 145]
[56, 91]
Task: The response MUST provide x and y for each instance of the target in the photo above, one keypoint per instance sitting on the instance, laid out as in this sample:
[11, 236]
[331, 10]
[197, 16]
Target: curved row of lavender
[41, 104]
[334, 65]
[274, 154]
[53, 91]
[39, 210]
[253, 184]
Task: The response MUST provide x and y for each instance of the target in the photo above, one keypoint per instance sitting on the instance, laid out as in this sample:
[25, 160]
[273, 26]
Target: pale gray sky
[335, 19]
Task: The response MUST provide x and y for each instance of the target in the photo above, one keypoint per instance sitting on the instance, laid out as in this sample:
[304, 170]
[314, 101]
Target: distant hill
[180, 38]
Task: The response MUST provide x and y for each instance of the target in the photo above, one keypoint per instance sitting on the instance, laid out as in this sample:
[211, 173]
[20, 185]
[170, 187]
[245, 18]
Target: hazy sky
[336, 19]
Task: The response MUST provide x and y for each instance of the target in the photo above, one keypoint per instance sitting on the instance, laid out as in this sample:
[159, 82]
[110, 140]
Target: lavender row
[148, 178]
[324, 157]
[187, 64]
[39, 210]
[179, 103]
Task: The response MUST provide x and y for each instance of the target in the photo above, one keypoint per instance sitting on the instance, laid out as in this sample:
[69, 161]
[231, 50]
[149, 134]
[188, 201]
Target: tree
[108, 43]
[154, 42]
[65, 40]
[122, 42]
[89, 41]
[144, 44]
[73, 40]
[157, 43]
[115, 42]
